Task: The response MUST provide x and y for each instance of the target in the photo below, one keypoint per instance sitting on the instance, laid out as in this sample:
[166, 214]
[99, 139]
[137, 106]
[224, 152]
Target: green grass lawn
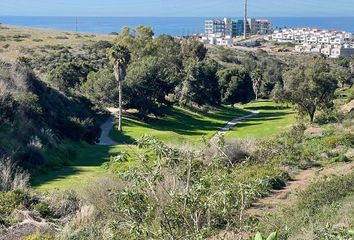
[176, 127]
[179, 125]
[84, 165]
[272, 119]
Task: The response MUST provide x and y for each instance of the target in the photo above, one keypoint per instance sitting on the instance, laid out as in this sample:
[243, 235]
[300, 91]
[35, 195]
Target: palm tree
[256, 81]
[119, 57]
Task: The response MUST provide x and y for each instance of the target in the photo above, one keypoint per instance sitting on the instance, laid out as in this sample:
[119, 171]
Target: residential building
[215, 27]
[221, 32]
[238, 28]
[312, 40]
[219, 41]
[258, 26]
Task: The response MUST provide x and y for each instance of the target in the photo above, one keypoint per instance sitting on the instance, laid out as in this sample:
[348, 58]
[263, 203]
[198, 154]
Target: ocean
[175, 26]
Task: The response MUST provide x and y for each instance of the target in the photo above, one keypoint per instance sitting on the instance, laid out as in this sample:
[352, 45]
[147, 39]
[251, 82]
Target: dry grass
[11, 176]
[20, 41]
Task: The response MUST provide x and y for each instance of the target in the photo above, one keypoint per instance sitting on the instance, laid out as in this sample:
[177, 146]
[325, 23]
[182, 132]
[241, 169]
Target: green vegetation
[310, 88]
[83, 163]
[272, 119]
[176, 181]
[322, 211]
[179, 125]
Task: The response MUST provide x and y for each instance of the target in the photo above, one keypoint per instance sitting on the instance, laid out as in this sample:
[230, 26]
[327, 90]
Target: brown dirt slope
[301, 181]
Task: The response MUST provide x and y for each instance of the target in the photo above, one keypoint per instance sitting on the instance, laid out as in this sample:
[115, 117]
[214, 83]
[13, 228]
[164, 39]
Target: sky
[176, 8]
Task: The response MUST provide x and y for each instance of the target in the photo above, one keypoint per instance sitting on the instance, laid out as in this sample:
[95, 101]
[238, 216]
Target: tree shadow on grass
[185, 122]
[85, 156]
[268, 108]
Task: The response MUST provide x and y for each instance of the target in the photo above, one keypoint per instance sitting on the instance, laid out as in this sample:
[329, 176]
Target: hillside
[169, 173]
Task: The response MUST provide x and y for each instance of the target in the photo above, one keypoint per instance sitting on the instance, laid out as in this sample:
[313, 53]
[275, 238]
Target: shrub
[61, 37]
[346, 139]
[63, 204]
[32, 154]
[11, 176]
[326, 117]
[39, 236]
[326, 190]
[44, 210]
[235, 151]
[351, 95]
[9, 201]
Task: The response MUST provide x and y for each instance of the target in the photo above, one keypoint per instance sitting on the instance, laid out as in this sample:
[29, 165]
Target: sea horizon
[175, 26]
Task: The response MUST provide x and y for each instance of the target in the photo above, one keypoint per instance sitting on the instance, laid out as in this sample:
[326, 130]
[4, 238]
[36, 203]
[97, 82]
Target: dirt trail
[287, 194]
[106, 127]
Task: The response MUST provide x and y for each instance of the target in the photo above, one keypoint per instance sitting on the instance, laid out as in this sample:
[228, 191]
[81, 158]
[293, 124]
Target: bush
[11, 176]
[9, 201]
[39, 236]
[63, 204]
[346, 139]
[326, 190]
[44, 210]
[326, 117]
[32, 155]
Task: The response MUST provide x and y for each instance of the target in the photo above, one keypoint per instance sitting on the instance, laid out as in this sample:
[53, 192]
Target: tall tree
[309, 88]
[256, 81]
[235, 85]
[200, 84]
[119, 57]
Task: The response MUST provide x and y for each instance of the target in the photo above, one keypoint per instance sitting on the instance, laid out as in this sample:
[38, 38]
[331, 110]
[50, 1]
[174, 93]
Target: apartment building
[312, 36]
[258, 26]
[215, 27]
[331, 43]
[222, 32]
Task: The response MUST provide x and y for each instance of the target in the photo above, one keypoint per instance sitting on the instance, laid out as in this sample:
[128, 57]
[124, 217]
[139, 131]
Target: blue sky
[197, 8]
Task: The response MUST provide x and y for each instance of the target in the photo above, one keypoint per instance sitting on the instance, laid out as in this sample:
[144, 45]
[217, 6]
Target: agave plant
[272, 236]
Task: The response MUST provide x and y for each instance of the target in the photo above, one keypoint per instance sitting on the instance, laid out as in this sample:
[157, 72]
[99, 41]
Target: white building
[311, 35]
[312, 40]
[213, 39]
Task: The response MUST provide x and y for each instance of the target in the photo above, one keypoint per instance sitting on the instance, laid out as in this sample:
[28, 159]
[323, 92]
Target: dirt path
[301, 181]
[106, 128]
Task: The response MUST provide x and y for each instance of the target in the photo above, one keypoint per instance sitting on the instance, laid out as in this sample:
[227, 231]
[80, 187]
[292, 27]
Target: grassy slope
[179, 125]
[82, 166]
[12, 46]
[272, 119]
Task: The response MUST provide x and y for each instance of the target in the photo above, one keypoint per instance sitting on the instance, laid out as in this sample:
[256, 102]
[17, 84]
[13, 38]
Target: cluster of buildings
[224, 31]
[312, 40]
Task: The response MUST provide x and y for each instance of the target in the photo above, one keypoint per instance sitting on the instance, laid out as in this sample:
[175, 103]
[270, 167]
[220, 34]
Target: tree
[310, 88]
[343, 76]
[192, 48]
[200, 85]
[119, 57]
[69, 75]
[256, 81]
[100, 87]
[147, 84]
[235, 85]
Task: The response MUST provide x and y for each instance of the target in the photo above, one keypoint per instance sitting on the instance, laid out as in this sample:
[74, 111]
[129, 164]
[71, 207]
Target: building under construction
[233, 28]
